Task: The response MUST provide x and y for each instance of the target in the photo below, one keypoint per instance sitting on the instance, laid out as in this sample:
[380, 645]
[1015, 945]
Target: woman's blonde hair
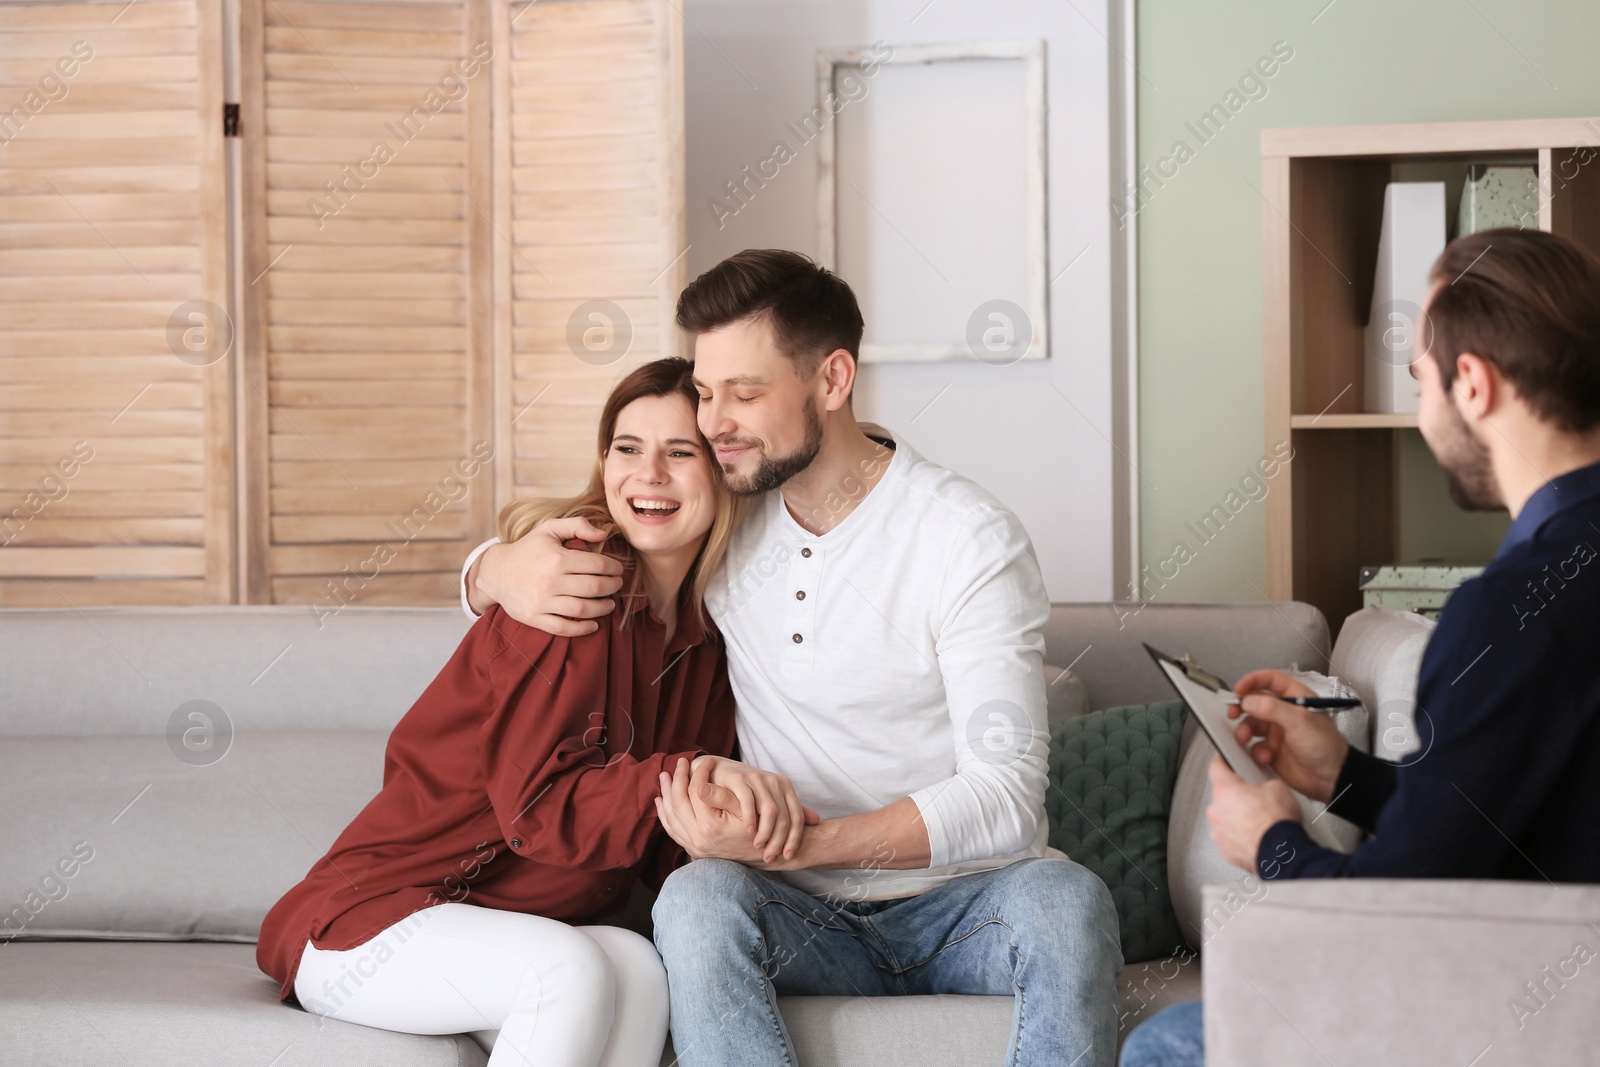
[662, 377]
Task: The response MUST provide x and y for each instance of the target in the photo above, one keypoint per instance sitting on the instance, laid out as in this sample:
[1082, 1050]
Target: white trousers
[558, 995]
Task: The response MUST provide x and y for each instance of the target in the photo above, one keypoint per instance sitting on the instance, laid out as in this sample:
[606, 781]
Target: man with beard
[1503, 785]
[884, 625]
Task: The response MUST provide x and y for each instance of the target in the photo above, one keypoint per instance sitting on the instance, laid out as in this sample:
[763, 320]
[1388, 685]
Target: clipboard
[1207, 698]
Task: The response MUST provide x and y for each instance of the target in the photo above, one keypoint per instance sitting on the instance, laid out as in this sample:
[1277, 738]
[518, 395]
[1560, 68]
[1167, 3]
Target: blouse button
[798, 639]
[516, 842]
[806, 552]
[799, 594]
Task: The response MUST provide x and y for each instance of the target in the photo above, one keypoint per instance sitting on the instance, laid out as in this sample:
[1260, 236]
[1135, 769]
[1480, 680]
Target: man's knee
[1051, 894]
[702, 896]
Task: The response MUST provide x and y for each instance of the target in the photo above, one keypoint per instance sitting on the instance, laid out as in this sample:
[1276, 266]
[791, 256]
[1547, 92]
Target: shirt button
[798, 639]
[799, 594]
[806, 552]
[516, 842]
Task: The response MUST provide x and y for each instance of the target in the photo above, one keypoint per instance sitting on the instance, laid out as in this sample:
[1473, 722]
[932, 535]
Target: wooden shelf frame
[1358, 421]
[1335, 506]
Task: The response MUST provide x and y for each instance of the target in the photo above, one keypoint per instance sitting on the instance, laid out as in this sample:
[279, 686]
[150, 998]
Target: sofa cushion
[268, 667]
[1111, 775]
[953, 1031]
[1065, 696]
[119, 837]
[1379, 655]
[1102, 643]
[182, 1004]
[206, 1004]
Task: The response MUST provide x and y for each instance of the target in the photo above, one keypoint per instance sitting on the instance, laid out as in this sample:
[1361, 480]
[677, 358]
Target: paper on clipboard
[1211, 710]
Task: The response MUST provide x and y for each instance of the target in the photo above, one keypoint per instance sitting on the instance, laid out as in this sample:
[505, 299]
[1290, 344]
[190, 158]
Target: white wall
[1037, 434]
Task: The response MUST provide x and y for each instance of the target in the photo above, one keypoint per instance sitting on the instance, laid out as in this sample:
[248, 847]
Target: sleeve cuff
[650, 783]
[1283, 849]
[1364, 787]
[466, 604]
[933, 822]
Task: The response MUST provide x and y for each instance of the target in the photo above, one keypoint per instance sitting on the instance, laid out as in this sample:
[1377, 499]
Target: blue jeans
[1173, 1037]
[1041, 930]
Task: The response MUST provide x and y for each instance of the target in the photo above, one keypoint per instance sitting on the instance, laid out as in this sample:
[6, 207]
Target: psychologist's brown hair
[1528, 302]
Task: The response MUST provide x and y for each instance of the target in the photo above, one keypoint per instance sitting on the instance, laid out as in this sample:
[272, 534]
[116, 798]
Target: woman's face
[659, 485]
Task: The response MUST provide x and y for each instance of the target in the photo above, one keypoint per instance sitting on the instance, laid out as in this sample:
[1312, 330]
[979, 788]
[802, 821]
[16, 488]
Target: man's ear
[839, 378]
[1478, 386]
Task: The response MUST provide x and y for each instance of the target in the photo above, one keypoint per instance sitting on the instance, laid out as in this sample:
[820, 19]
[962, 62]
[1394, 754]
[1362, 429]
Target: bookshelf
[1346, 496]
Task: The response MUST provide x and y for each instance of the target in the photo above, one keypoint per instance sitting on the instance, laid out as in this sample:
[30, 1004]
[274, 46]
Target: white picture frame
[1036, 305]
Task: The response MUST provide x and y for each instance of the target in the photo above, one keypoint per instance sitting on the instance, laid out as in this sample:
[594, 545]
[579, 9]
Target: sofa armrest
[1403, 972]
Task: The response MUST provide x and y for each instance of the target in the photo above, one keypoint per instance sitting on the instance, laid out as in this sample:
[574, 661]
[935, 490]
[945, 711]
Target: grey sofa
[167, 773]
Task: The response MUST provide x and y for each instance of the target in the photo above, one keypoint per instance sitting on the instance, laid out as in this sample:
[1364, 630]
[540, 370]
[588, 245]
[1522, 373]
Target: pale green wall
[1361, 61]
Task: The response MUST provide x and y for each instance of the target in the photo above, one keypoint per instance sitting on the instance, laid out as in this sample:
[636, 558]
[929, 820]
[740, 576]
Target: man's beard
[773, 471]
[1466, 466]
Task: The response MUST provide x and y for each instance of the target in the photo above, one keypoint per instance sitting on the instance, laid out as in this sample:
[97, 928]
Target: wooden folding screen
[440, 192]
[589, 193]
[460, 221]
[116, 482]
[366, 241]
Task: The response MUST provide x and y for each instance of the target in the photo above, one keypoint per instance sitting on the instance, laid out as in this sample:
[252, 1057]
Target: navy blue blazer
[1506, 783]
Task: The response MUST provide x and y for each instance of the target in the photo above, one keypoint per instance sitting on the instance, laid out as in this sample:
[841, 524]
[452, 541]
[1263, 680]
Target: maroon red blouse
[523, 779]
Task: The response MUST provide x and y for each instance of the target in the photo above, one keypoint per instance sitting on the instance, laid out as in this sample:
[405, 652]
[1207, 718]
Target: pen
[1314, 703]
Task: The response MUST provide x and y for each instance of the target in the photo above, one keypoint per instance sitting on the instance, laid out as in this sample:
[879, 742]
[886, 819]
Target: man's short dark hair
[1528, 302]
[812, 311]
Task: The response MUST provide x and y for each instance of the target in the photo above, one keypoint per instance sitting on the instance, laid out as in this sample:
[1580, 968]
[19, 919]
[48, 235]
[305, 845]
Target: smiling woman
[652, 482]
[537, 760]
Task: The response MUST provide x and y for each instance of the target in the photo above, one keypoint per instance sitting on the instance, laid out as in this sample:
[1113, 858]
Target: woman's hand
[1300, 745]
[765, 802]
[705, 832]
[721, 807]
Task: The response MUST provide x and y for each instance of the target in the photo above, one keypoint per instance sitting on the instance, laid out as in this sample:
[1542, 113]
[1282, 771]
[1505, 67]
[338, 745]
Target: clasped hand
[1302, 748]
[722, 808]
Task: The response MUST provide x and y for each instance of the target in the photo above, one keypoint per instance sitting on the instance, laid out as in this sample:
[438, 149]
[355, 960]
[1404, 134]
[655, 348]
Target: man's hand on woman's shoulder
[540, 582]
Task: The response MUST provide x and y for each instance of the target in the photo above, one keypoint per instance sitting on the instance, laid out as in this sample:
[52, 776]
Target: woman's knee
[630, 954]
[554, 961]
[635, 964]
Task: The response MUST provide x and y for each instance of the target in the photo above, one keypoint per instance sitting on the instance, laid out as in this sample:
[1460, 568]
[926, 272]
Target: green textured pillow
[1111, 777]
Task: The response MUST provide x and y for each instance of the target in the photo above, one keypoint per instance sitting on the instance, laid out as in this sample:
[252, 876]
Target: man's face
[764, 422]
[1458, 449]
